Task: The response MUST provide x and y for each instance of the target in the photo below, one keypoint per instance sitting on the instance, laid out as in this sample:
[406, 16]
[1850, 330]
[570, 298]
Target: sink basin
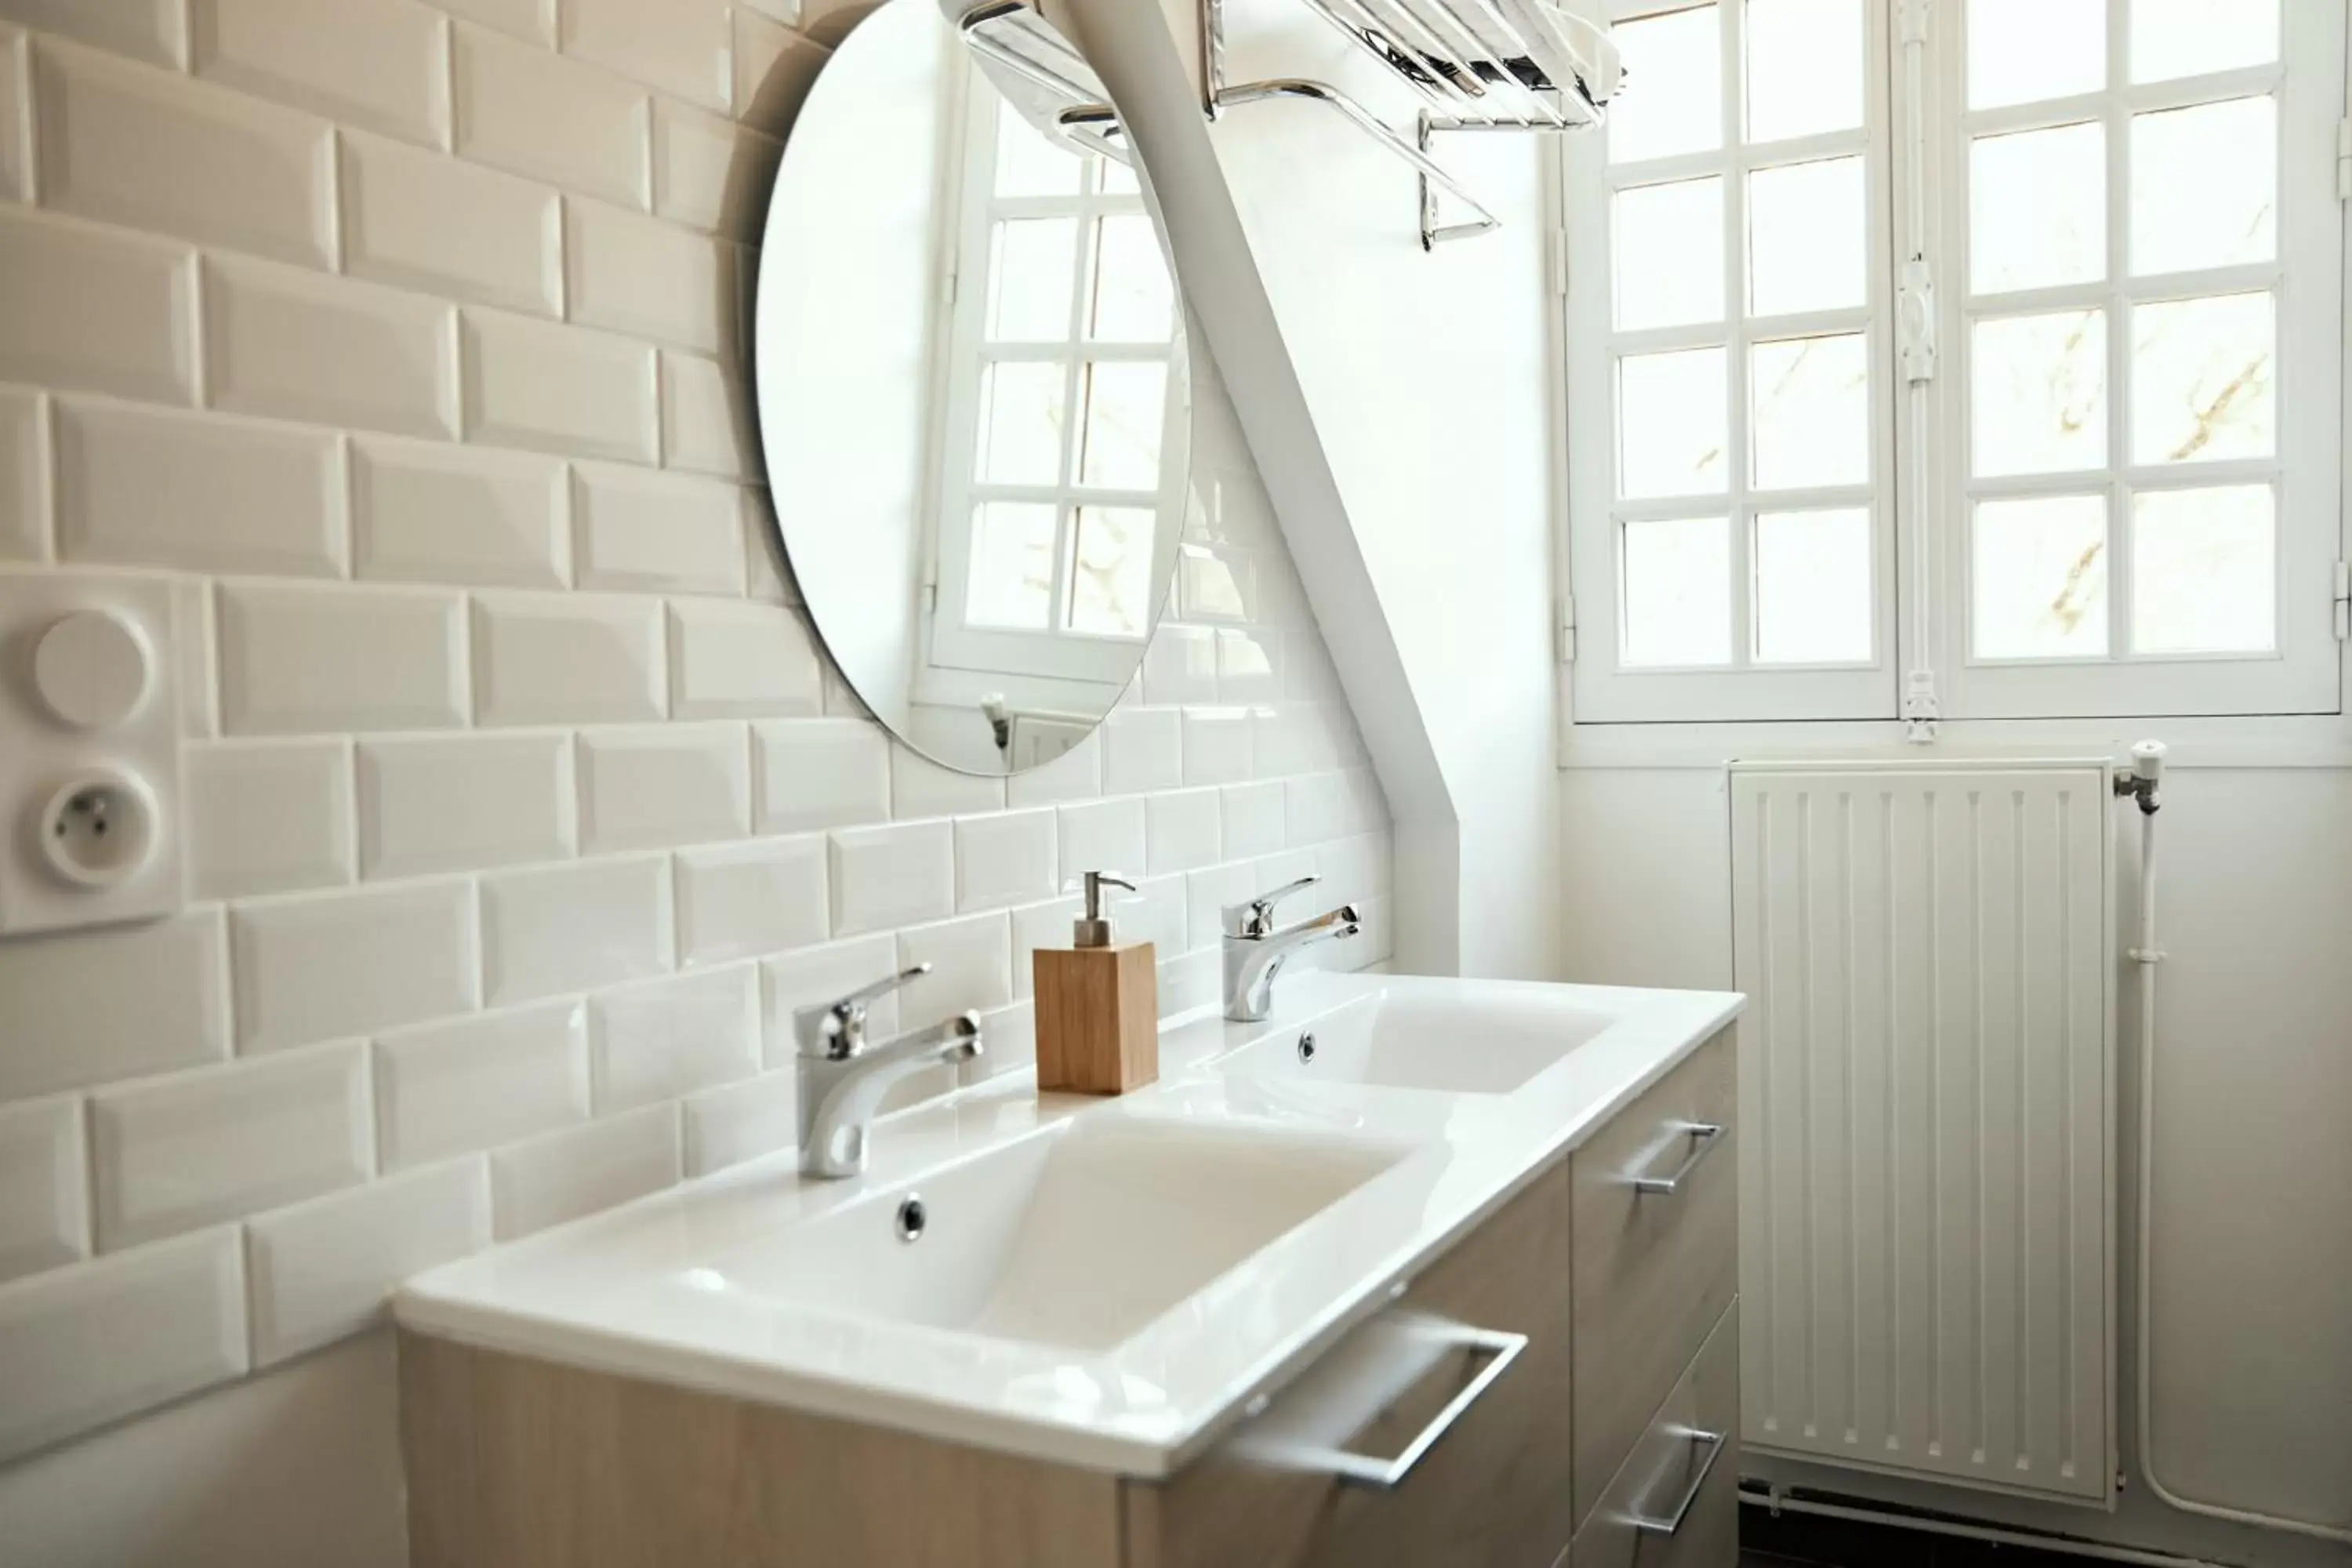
[1075, 1238]
[1402, 1040]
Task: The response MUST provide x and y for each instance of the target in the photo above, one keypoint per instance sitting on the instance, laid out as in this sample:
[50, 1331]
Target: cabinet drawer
[1675, 1503]
[1493, 1491]
[1654, 1268]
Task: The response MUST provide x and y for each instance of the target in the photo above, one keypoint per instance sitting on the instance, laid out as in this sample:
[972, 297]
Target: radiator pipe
[1779, 1501]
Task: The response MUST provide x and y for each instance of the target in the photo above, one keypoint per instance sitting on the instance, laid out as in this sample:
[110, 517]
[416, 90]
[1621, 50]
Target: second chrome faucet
[842, 1079]
[1256, 949]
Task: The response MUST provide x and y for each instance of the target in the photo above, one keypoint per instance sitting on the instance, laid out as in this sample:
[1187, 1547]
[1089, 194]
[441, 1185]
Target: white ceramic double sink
[1092, 1281]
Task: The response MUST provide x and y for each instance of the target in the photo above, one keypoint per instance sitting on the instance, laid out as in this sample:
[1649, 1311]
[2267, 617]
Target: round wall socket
[98, 829]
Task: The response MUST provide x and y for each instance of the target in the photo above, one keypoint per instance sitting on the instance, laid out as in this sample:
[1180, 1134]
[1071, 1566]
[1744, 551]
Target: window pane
[1111, 584]
[1813, 587]
[2201, 386]
[1021, 424]
[2203, 571]
[1030, 268]
[2039, 392]
[1134, 298]
[1673, 424]
[2038, 209]
[1811, 412]
[2022, 51]
[2040, 579]
[1807, 249]
[1010, 579]
[1678, 59]
[1027, 164]
[2189, 37]
[2204, 186]
[1678, 592]
[1118, 179]
[1804, 67]
[1125, 405]
[1669, 262]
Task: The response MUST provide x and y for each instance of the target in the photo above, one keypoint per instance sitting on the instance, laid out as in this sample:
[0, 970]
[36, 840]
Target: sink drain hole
[912, 1217]
[1306, 1045]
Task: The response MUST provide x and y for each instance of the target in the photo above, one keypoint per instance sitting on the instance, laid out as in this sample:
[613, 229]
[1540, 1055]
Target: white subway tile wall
[524, 809]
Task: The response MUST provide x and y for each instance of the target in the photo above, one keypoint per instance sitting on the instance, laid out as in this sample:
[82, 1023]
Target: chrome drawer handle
[1704, 1136]
[1668, 1524]
[1386, 1475]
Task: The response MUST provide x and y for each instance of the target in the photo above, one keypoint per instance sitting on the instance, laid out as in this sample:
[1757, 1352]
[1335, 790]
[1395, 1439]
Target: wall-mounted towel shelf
[1474, 64]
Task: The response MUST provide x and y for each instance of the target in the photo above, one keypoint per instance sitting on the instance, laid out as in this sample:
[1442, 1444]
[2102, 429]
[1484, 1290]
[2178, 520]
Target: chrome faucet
[1256, 952]
[842, 1079]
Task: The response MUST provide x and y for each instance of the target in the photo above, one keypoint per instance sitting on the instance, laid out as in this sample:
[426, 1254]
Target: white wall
[521, 807]
[2253, 1248]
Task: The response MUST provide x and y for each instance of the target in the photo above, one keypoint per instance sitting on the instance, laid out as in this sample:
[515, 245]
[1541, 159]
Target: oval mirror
[974, 385]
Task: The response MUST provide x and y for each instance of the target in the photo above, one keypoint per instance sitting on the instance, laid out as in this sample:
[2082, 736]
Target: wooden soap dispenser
[1098, 1005]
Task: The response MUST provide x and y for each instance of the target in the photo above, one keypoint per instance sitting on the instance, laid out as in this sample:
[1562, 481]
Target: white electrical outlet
[89, 750]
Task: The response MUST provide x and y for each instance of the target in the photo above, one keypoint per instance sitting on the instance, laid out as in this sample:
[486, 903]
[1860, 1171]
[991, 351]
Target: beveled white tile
[298, 660]
[299, 346]
[740, 900]
[1249, 664]
[706, 421]
[921, 787]
[44, 1186]
[83, 1346]
[738, 1122]
[820, 773]
[1315, 807]
[1156, 912]
[550, 388]
[221, 1142]
[426, 221]
[636, 529]
[566, 659]
[1075, 775]
[69, 1020]
[1355, 870]
[268, 816]
[662, 1040]
[662, 785]
[738, 659]
[1207, 895]
[681, 46]
[773, 68]
[459, 1088]
[1216, 745]
[1051, 925]
[1277, 743]
[767, 578]
[152, 150]
[319, 966]
[15, 115]
[464, 803]
[427, 514]
[327, 1268]
[1189, 982]
[1254, 817]
[563, 1176]
[572, 928]
[1365, 807]
[25, 482]
[150, 488]
[197, 666]
[628, 273]
[1180, 666]
[814, 977]
[1143, 750]
[1215, 584]
[1181, 831]
[531, 19]
[97, 310]
[972, 967]
[711, 173]
[1007, 858]
[893, 875]
[1008, 1041]
[1102, 836]
[379, 63]
[155, 31]
[532, 113]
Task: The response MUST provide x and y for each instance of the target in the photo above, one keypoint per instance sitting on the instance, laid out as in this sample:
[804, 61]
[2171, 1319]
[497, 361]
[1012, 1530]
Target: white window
[2113, 488]
[1057, 401]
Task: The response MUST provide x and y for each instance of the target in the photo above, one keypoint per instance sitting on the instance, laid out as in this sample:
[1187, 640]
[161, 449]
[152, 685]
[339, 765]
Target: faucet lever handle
[1254, 918]
[837, 1028]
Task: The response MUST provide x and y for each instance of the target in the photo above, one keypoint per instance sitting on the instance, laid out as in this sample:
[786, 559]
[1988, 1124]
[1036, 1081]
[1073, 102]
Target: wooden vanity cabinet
[1603, 1420]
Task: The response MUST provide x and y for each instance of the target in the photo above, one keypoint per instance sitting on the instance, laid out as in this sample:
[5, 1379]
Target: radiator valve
[2139, 781]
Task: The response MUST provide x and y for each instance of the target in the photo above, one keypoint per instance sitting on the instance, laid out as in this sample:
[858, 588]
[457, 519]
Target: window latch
[2343, 601]
[1916, 320]
[1567, 629]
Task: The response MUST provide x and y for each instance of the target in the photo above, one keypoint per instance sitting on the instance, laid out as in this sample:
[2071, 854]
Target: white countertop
[643, 1290]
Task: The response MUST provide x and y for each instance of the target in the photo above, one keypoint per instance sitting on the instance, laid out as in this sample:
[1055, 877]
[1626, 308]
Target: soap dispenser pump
[1098, 1005]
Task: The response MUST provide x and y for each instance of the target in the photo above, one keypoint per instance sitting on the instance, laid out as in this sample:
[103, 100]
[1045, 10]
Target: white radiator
[1926, 1118]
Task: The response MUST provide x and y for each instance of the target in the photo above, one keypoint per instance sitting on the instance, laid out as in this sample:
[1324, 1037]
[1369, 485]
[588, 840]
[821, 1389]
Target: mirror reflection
[973, 383]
